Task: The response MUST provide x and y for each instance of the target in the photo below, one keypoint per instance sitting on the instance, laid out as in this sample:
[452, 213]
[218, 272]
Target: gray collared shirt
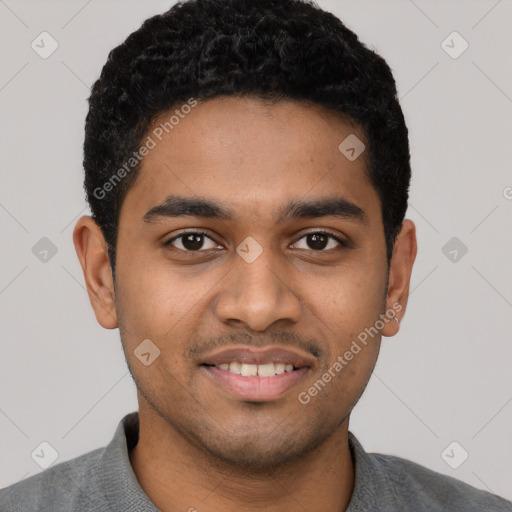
[103, 481]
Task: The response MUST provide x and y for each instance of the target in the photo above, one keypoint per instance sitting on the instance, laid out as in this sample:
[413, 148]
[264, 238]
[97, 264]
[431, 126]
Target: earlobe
[91, 250]
[402, 261]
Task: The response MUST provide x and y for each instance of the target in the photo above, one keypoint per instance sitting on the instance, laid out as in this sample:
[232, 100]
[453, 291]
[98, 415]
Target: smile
[256, 370]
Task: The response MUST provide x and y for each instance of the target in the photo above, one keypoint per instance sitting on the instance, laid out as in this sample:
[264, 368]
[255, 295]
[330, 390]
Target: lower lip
[256, 388]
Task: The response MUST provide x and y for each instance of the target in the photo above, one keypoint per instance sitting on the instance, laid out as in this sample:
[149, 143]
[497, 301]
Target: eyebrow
[177, 206]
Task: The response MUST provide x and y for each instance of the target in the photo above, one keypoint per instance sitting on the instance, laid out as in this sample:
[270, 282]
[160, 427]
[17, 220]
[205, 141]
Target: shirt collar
[372, 485]
[123, 491]
[118, 480]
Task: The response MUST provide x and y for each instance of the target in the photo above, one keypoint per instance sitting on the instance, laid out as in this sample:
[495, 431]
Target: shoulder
[428, 490]
[70, 483]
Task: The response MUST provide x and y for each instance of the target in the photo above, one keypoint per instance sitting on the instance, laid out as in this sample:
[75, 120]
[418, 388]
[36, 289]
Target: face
[249, 243]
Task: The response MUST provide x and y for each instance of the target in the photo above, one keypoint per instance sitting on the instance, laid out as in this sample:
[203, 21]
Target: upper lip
[252, 355]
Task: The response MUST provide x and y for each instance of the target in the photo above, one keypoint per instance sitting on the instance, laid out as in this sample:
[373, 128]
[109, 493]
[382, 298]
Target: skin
[253, 157]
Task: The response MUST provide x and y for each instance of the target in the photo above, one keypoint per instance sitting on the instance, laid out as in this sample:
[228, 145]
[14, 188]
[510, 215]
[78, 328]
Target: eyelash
[342, 243]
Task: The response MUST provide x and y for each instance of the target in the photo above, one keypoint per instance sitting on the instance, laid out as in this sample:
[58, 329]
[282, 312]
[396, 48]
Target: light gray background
[444, 378]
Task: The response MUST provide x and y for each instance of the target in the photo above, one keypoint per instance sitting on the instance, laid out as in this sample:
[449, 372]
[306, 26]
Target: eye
[320, 240]
[194, 241]
[191, 241]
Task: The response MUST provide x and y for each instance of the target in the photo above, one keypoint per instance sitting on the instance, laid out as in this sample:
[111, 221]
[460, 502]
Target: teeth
[253, 370]
[280, 367]
[235, 367]
[249, 370]
[266, 370]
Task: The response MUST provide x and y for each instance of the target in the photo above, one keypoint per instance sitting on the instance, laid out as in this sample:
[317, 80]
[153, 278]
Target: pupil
[315, 237]
[192, 241]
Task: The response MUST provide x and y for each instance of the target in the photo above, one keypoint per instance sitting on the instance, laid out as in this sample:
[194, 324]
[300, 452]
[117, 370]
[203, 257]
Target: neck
[177, 475]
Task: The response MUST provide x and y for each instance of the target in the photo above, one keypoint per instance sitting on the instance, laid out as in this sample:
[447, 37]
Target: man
[247, 167]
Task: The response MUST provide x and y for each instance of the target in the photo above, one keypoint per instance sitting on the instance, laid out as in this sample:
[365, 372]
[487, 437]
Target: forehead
[251, 155]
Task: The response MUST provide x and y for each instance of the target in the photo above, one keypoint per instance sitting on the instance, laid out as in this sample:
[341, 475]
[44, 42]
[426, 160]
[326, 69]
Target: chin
[257, 452]
[255, 457]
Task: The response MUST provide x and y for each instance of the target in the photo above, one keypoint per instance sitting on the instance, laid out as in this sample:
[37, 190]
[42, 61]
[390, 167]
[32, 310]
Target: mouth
[254, 370]
[255, 375]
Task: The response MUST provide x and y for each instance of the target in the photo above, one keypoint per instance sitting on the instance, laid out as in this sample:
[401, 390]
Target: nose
[258, 294]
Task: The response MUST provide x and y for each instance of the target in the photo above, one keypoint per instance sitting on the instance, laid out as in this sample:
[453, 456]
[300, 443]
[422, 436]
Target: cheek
[351, 298]
[153, 306]
[348, 307]
[154, 299]
[157, 303]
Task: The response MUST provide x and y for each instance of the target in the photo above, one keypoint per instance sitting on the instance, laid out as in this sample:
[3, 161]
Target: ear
[91, 248]
[402, 260]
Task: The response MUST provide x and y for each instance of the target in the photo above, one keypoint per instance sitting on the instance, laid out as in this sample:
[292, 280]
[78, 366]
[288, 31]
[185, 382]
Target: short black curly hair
[271, 49]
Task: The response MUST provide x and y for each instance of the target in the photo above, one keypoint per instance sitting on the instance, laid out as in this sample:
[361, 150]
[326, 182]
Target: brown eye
[319, 241]
[191, 242]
